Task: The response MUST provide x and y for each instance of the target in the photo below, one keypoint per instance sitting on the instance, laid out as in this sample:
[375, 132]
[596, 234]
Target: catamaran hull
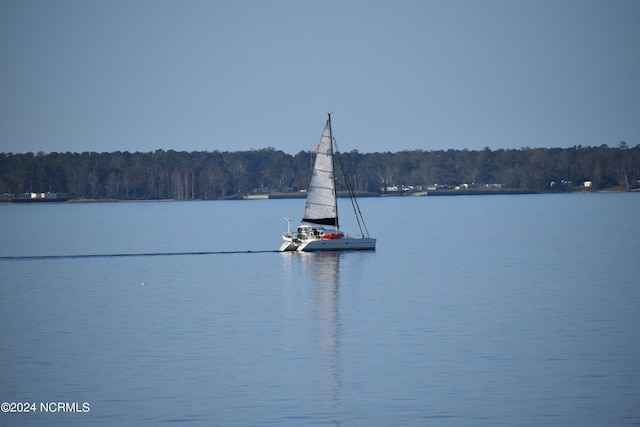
[343, 244]
[288, 246]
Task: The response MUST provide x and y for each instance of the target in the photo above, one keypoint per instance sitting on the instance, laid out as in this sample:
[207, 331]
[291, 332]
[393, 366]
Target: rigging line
[352, 196]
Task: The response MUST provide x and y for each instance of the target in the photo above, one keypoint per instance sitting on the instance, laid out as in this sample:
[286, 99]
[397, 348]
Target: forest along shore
[216, 175]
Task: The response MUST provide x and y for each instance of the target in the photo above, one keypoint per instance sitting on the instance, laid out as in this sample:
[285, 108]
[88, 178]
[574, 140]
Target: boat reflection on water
[325, 270]
[320, 283]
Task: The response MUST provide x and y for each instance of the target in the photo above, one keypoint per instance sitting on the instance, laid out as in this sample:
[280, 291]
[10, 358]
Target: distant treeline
[219, 175]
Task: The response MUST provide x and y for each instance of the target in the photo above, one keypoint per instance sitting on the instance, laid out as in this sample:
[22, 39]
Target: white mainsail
[321, 196]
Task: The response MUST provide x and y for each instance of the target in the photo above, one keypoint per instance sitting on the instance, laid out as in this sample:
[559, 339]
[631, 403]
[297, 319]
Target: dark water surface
[473, 310]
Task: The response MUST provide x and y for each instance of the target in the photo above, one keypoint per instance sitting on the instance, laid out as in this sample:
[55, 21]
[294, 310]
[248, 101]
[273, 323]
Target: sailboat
[319, 229]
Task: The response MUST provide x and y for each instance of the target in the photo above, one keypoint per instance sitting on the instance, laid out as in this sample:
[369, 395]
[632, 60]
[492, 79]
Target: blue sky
[234, 75]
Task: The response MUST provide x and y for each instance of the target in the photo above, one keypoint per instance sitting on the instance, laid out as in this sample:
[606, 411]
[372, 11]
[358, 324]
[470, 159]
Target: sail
[321, 196]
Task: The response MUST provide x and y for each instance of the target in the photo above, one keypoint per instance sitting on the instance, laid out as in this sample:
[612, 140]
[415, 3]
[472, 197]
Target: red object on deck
[332, 236]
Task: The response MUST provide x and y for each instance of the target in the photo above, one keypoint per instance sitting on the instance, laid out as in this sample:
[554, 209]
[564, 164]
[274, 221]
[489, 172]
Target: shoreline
[296, 195]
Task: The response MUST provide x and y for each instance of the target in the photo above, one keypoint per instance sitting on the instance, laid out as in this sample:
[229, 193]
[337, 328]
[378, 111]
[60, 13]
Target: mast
[333, 162]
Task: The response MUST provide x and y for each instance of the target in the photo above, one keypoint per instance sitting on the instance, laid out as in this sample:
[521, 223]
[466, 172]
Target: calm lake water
[474, 310]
